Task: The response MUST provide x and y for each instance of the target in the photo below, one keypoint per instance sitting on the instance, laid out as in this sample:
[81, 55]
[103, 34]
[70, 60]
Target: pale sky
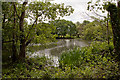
[79, 6]
[80, 10]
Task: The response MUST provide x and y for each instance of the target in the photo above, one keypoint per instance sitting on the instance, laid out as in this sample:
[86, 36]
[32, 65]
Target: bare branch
[31, 16]
[98, 14]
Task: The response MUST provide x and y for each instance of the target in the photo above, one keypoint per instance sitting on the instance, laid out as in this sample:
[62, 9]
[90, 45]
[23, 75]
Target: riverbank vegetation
[100, 59]
[94, 61]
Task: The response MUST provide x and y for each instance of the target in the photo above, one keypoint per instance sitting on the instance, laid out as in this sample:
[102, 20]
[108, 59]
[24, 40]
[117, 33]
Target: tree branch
[29, 40]
[32, 26]
[31, 17]
[16, 10]
[98, 14]
[7, 41]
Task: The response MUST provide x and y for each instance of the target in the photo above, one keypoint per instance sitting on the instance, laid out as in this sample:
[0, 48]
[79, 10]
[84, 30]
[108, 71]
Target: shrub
[94, 61]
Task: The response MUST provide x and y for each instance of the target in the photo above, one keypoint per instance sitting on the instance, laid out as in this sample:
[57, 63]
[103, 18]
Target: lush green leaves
[95, 30]
[49, 10]
[64, 27]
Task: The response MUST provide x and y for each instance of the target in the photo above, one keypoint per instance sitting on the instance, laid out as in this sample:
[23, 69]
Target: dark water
[54, 50]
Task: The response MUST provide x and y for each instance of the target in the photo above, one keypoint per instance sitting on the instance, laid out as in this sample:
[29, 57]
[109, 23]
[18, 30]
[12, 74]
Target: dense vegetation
[94, 61]
[95, 30]
[98, 60]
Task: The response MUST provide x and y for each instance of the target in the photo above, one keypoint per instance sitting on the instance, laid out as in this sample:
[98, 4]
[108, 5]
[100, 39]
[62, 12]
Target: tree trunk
[115, 21]
[22, 40]
[118, 32]
[22, 36]
[119, 9]
[108, 33]
[14, 56]
[3, 24]
[22, 49]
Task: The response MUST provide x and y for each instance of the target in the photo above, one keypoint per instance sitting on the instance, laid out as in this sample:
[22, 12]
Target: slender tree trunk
[118, 32]
[108, 33]
[3, 24]
[119, 9]
[22, 36]
[14, 57]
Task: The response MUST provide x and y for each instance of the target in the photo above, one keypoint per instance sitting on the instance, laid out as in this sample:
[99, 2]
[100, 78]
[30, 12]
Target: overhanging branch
[32, 26]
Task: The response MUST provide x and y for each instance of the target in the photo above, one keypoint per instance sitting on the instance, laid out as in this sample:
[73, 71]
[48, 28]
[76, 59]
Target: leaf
[96, 4]
[89, 2]
[103, 11]
[88, 7]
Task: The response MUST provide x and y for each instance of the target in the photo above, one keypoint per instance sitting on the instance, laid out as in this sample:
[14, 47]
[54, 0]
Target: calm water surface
[54, 50]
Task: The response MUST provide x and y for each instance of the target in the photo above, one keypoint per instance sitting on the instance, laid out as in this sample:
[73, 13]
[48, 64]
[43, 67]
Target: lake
[53, 50]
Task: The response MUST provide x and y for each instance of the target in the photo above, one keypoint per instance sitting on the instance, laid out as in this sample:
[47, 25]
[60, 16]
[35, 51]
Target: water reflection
[54, 51]
[67, 42]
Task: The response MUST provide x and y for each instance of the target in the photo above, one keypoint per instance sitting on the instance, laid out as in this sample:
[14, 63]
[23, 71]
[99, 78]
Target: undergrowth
[94, 61]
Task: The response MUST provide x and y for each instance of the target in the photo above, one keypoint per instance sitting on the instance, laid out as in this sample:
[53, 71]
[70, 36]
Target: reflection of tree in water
[58, 51]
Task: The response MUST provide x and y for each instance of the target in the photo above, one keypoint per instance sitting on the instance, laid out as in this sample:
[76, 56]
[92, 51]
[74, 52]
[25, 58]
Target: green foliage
[44, 33]
[95, 31]
[49, 10]
[77, 56]
[31, 68]
[64, 27]
[71, 58]
[80, 26]
[94, 60]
